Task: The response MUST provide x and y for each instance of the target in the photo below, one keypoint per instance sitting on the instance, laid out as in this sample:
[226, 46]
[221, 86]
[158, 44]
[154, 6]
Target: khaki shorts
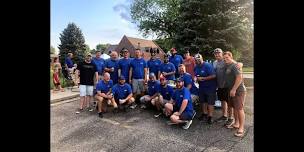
[237, 102]
[138, 86]
[85, 90]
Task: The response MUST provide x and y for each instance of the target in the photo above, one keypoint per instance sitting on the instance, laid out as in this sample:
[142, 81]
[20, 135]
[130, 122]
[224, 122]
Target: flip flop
[231, 127]
[239, 134]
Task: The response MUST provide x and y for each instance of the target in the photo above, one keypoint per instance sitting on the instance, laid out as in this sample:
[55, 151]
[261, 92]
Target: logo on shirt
[181, 95]
[125, 90]
[141, 63]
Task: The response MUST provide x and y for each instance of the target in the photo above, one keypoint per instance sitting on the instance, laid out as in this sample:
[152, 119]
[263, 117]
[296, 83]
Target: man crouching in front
[180, 105]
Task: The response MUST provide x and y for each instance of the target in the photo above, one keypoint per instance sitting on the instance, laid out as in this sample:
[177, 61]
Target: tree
[155, 16]
[102, 46]
[52, 51]
[72, 40]
[210, 24]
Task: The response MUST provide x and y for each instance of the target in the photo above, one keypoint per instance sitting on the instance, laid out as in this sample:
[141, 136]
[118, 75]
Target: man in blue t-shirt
[153, 86]
[167, 69]
[165, 93]
[154, 63]
[188, 82]
[206, 78]
[111, 66]
[123, 93]
[176, 60]
[180, 105]
[138, 74]
[99, 62]
[124, 64]
[68, 63]
[104, 93]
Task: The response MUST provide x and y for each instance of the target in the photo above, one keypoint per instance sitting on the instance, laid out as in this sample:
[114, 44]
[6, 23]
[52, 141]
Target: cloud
[123, 10]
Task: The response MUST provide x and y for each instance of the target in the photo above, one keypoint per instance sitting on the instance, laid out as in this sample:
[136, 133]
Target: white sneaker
[143, 106]
[187, 125]
[133, 106]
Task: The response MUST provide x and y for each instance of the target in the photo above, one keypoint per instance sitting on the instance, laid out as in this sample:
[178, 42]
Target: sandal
[231, 127]
[239, 134]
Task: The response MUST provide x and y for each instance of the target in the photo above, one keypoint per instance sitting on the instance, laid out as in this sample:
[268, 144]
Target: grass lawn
[247, 69]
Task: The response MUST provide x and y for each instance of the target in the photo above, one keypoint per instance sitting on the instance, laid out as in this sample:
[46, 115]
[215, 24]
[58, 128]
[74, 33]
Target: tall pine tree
[72, 40]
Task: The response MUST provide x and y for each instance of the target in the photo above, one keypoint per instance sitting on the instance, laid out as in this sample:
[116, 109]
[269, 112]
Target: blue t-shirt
[114, 75]
[204, 70]
[168, 67]
[178, 97]
[176, 60]
[121, 92]
[188, 80]
[153, 87]
[104, 87]
[166, 92]
[154, 66]
[69, 62]
[100, 63]
[138, 66]
[124, 66]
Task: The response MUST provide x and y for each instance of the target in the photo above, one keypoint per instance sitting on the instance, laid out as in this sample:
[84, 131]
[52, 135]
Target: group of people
[127, 82]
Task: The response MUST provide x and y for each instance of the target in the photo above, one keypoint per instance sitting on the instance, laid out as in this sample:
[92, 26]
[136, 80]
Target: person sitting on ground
[104, 93]
[180, 105]
[188, 82]
[153, 86]
[164, 96]
[123, 93]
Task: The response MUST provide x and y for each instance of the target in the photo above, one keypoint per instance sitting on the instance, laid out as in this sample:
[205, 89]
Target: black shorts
[222, 94]
[184, 115]
[207, 98]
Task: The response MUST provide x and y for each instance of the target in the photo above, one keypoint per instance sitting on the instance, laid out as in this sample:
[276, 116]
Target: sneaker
[210, 121]
[157, 115]
[78, 111]
[187, 125]
[229, 122]
[143, 106]
[90, 109]
[100, 115]
[203, 117]
[221, 119]
[133, 106]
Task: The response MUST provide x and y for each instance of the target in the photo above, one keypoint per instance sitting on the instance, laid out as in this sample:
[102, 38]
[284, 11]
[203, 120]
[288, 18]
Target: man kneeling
[153, 86]
[104, 94]
[180, 105]
[123, 93]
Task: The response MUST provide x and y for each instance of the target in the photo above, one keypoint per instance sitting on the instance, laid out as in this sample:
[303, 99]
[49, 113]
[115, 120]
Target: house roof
[110, 48]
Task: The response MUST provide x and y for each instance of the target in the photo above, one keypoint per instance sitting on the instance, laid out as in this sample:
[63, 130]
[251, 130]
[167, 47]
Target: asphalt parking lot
[138, 130]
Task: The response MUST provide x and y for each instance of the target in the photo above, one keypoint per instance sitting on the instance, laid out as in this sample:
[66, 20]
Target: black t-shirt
[87, 72]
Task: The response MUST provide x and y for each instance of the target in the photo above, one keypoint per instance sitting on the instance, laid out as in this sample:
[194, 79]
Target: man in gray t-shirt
[237, 91]
[222, 91]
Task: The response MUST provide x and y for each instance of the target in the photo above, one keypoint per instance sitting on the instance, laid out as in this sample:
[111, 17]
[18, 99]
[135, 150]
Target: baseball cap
[217, 50]
[122, 78]
[179, 79]
[151, 75]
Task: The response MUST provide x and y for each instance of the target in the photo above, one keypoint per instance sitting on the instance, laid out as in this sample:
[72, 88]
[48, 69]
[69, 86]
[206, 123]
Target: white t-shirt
[105, 56]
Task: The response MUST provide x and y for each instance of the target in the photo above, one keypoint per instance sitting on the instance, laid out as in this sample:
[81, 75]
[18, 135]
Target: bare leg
[210, 110]
[82, 100]
[168, 109]
[241, 118]
[99, 103]
[224, 108]
[113, 103]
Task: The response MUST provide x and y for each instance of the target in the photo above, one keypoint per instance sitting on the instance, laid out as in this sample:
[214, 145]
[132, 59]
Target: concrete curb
[64, 98]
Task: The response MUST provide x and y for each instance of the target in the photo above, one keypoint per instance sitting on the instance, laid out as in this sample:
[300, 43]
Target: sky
[101, 21]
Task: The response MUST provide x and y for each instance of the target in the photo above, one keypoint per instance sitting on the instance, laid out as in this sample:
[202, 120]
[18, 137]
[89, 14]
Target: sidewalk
[68, 94]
